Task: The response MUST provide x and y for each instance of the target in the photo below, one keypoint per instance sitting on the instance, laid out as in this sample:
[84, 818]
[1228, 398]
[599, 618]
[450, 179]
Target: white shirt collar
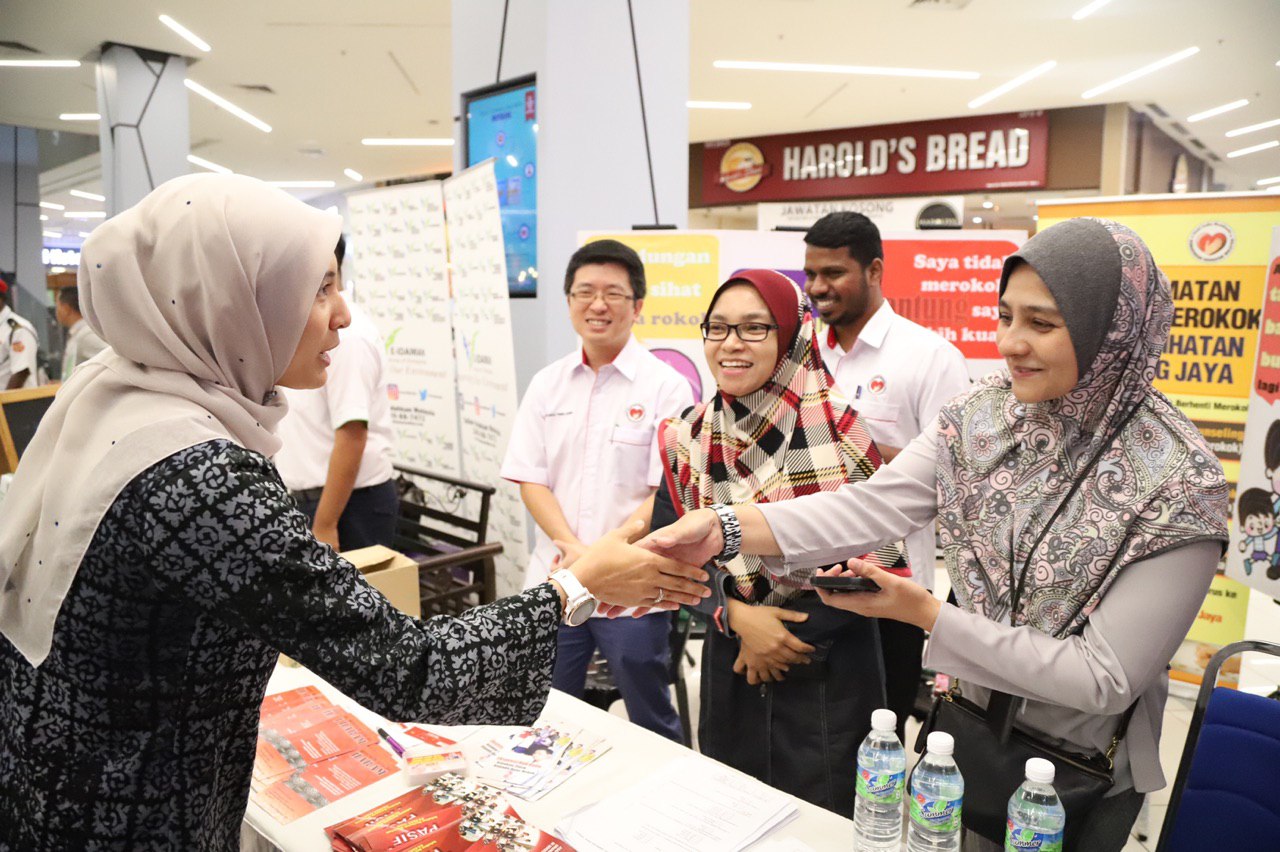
[627, 361]
[872, 334]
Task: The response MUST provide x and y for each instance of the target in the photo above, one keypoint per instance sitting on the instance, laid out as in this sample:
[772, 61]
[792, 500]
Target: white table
[634, 753]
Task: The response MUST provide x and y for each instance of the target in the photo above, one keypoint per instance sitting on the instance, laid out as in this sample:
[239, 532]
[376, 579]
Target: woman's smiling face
[1032, 337]
[741, 367]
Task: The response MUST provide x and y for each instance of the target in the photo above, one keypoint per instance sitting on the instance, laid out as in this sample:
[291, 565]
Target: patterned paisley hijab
[793, 436]
[1005, 468]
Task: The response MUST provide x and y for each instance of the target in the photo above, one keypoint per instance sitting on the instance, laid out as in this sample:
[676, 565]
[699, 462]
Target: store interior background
[327, 74]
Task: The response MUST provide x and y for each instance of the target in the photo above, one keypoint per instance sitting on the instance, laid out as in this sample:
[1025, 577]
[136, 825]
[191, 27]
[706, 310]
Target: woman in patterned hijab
[1082, 515]
[775, 430]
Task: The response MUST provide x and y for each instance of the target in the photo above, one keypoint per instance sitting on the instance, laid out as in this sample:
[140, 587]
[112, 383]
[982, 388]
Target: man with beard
[896, 374]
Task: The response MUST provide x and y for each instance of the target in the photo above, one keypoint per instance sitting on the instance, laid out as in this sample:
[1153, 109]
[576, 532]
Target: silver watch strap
[730, 530]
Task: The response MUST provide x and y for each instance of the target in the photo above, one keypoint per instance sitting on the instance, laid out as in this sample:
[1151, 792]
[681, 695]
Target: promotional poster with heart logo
[1215, 249]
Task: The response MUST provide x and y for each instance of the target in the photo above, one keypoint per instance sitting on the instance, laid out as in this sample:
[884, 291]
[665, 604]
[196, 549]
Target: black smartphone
[845, 583]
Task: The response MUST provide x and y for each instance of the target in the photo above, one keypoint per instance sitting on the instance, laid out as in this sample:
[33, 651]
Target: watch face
[580, 612]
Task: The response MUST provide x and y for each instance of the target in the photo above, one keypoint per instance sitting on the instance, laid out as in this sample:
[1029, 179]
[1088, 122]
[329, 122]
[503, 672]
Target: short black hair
[608, 251]
[1271, 447]
[340, 250]
[70, 296]
[1253, 501]
[846, 229]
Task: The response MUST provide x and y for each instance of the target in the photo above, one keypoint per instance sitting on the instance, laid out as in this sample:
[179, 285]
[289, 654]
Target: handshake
[662, 570]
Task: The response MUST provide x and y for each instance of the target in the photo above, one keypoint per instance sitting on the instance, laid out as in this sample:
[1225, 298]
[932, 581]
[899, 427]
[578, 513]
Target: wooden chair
[443, 526]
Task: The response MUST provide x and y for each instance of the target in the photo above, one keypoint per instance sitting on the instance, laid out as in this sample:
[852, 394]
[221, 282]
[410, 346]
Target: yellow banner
[1219, 622]
[681, 271]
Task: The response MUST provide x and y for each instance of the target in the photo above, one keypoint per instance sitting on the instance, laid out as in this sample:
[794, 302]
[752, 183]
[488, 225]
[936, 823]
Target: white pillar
[145, 129]
[593, 165]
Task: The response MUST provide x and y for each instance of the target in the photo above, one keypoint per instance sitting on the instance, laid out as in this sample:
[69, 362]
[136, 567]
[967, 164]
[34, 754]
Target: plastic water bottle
[1036, 817]
[882, 771]
[937, 794]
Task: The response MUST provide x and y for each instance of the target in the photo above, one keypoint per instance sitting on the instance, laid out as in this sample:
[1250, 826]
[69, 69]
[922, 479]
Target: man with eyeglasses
[584, 452]
[897, 375]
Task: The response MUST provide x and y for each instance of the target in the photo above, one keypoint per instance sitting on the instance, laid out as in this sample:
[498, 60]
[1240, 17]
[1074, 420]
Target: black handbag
[992, 754]
[993, 767]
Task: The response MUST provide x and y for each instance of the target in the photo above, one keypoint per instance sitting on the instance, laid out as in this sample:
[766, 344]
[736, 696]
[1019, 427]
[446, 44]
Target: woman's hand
[570, 552]
[621, 574]
[763, 633]
[695, 539]
[755, 669]
[898, 598]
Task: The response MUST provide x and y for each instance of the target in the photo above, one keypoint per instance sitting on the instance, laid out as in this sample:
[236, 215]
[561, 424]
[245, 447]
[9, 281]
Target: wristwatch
[730, 531]
[579, 604]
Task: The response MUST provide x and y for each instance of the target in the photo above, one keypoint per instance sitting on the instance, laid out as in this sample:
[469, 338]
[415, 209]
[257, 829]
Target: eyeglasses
[611, 297]
[748, 332]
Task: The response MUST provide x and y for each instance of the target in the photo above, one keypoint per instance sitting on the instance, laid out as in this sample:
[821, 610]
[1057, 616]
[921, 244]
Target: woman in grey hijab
[1082, 516]
[153, 567]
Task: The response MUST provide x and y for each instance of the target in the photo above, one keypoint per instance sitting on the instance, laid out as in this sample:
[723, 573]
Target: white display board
[398, 253]
[485, 357]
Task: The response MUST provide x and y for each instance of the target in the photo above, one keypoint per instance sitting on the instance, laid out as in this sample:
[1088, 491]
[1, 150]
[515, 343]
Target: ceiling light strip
[88, 196]
[1027, 77]
[39, 63]
[1218, 110]
[208, 164]
[1141, 72]
[185, 33]
[1254, 149]
[1240, 131]
[860, 70]
[222, 102]
[79, 116]
[354, 175]
[1269, 181]
[303, 184]
[1085, 11]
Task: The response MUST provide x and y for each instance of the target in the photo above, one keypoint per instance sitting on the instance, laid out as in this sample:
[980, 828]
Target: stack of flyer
[534, 761]
[690, 805]
[449, 815]
[311, 752]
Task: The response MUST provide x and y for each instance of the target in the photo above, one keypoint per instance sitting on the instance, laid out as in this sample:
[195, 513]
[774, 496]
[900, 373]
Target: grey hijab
[1079, 262]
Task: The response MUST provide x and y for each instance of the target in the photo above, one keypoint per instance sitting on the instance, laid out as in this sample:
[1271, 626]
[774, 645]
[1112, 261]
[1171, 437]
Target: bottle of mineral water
[937, 793]
[1036, 817]
[882, 770]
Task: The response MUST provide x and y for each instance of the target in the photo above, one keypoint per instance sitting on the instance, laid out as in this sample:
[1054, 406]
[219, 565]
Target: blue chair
[1227, 793]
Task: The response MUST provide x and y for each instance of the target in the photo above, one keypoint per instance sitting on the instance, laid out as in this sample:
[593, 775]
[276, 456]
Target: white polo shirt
[897, 377]
[19, 348]
[592, 438]
[356, 389]
[82, 344]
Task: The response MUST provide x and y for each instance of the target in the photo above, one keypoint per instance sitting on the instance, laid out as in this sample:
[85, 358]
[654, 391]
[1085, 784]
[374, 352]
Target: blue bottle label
[936, 814]
[883, 788]
[1022, 839]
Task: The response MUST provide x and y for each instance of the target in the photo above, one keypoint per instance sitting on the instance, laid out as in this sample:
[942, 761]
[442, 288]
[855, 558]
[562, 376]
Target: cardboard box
[390, 572]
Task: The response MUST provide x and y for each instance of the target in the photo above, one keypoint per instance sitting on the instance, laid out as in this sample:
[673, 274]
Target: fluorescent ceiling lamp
[88, 196]
[79, 116]
[1141, 72]
[44, 218]
[1085, 11]
[85, 214]
[717, 104]
[1218, 110]
[49, 205]
[207, 164]
[353, 174]
[83, 233]
[303, 184]
[1255, 149]
[1268, 181]
[1042, 68]
[987, 205]
[1240, 131]
[407, 141]
[39, 63]
[218, 100]
[977, 220]
[865, 70]
[51, 233]
[185, 33]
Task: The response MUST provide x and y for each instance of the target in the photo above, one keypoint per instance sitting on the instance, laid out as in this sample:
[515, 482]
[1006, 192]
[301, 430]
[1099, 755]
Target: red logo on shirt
[18, 346]
[635, 413]
[877, 384]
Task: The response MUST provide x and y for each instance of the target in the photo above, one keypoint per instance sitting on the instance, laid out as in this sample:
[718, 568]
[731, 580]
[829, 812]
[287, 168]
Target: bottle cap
[940, 742]
[1039, 769]
[884, 720]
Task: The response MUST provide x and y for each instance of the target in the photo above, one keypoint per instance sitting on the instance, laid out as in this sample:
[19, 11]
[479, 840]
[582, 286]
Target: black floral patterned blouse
[138, 730]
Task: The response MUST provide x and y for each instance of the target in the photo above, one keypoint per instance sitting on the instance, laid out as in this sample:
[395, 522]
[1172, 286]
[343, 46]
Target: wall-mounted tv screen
[501, 121]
